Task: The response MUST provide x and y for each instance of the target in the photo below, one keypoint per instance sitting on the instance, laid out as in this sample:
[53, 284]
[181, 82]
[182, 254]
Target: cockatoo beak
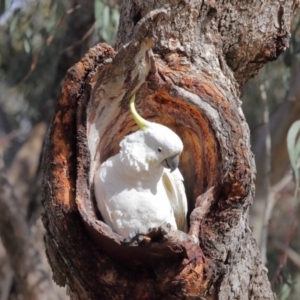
[171, 162]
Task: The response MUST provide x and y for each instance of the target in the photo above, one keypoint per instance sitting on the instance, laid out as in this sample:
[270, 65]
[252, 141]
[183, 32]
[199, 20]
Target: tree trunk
[187, 61]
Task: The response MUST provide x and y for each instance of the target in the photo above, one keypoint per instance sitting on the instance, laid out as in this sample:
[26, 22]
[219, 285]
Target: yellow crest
[143, 124]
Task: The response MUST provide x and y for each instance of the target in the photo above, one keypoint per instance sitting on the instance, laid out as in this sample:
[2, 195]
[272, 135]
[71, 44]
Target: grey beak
[171, 162]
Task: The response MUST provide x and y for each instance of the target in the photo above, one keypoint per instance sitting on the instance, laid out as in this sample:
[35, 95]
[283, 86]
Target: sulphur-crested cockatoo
[140, 187]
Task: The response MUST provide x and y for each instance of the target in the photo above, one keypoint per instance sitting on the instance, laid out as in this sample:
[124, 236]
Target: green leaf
[26, 46]
[29, 32]
[293, 145]
[106, 16]
[106, 23]
[98, 10]
[52, 4]
[285, 292]
[297, 148]
[13, 24]
[115, 18]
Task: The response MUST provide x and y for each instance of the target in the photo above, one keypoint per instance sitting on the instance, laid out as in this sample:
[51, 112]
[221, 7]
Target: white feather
[134, 192]
[173, 183]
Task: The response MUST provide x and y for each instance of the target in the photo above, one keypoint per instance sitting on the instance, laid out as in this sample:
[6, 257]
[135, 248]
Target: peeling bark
[186, 61]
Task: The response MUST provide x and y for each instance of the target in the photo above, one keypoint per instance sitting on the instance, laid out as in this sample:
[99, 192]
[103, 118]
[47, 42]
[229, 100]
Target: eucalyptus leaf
[106, 23]
[13, 24]
[285, 292]
[99, 6]
[115, 16]
[106, 16]
[297, 148]
[293, 145]
[29, 32]
[26, 46]
[52, 2]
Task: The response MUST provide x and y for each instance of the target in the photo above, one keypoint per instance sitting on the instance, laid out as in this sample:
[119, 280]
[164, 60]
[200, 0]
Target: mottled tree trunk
[187, 61]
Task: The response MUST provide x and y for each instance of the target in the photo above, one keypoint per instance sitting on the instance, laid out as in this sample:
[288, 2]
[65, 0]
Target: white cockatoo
[140, 187]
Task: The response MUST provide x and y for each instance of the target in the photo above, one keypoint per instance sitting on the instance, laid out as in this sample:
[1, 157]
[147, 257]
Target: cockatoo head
[153, 145]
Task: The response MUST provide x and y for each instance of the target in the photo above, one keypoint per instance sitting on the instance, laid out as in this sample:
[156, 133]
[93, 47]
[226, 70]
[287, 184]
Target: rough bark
[187, 61]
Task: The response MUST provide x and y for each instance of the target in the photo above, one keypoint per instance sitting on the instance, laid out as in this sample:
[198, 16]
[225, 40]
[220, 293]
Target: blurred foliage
[293, 145]
[107, 14]
[31, 44]
[30, 47]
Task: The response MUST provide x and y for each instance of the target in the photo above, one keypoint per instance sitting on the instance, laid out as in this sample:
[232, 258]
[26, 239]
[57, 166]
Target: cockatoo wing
[173, 183]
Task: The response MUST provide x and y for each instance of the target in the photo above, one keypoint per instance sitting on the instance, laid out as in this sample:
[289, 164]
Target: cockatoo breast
[132, 203]
[132, 191]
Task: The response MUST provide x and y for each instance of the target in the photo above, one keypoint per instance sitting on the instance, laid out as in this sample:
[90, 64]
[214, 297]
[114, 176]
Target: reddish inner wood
[200, 161]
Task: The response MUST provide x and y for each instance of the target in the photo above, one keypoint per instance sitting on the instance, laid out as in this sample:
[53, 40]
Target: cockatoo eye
[159, 149]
